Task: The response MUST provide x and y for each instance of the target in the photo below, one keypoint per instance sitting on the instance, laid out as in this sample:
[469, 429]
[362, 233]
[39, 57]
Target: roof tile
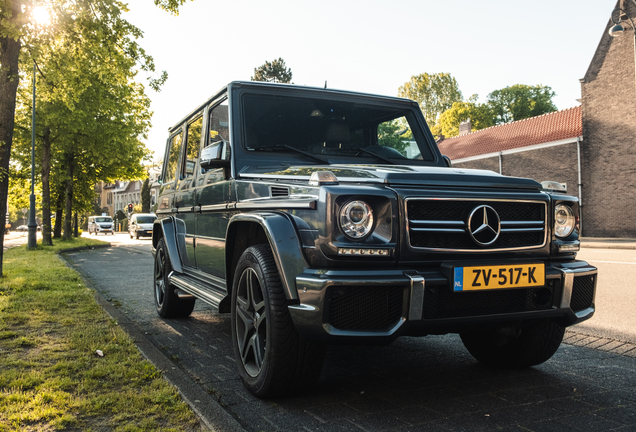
[545, 128]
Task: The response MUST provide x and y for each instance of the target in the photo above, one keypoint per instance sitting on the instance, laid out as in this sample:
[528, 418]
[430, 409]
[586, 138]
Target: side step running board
[189, 286]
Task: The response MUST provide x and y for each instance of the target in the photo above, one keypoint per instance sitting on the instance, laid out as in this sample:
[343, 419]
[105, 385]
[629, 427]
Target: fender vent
[277, 191]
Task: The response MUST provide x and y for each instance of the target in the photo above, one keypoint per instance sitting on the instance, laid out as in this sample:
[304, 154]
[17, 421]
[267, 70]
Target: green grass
[50, 375]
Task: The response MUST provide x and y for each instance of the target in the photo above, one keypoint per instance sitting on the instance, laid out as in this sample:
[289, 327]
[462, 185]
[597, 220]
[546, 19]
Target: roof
[555, 126]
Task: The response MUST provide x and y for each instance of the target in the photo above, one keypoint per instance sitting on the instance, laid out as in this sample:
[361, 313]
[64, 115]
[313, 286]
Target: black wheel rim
[251, 322]
[160, 284]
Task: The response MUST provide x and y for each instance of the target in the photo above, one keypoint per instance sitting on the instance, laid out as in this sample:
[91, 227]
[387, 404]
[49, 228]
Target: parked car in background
[140, 225]
[101, 224]
[22, 228]
[316, 216]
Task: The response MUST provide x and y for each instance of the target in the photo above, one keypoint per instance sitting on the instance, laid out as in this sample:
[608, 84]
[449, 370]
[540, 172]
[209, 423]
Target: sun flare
[41, 15]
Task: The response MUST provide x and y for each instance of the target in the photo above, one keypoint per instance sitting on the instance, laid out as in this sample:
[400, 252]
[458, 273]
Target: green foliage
[448, 123]
[145, 196]
[434, 92]
[393, 134]
[89, 107]
[170, 5]
[520, 101]
[275, 71]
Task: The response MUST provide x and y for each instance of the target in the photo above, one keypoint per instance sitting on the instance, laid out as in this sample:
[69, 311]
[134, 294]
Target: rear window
[146, 219]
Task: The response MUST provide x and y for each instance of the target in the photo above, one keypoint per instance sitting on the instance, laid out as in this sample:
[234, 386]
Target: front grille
[582, 293]
[440, 302]
[442, 224]
[365, 308]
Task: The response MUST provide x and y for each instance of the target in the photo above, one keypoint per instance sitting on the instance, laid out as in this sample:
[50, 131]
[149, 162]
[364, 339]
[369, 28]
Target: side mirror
[447, 161]
[212, 156]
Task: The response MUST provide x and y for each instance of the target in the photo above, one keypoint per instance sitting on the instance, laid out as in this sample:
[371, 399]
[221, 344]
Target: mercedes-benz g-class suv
[315, 216]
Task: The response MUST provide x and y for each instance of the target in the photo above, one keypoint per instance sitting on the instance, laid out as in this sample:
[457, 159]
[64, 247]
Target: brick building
[591, 148]
[608, 92]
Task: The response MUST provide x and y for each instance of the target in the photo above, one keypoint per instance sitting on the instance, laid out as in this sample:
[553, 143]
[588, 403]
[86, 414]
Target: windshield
[103, 219]
[146, 219]
[319, 131]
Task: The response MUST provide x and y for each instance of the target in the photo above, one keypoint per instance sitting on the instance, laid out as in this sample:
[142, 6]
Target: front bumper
[377, 306]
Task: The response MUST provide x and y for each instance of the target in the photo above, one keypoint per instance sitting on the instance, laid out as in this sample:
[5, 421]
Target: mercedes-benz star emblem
[484, 225]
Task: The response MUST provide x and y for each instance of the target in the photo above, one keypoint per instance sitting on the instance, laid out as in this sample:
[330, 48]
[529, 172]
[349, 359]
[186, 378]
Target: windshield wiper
[288, 147]
[389, 161]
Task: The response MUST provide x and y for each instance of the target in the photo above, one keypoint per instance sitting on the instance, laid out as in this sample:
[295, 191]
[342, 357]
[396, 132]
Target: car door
[214, 195]
[185, 195]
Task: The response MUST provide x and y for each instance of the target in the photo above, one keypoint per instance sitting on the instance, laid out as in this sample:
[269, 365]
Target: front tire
[515, 348]
[167, 302]
[272, 358]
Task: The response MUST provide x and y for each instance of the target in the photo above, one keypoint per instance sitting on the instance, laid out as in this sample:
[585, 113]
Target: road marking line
[612, 262]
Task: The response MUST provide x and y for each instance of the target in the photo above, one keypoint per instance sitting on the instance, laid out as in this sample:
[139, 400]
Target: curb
[83, 248]
[608, 246]
[205, 407]
[614, 346]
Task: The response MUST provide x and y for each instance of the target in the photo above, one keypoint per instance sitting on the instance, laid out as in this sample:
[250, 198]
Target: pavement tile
[625, 348]
[572, 406]
[623, 414]
[597, 344]
[417, 415]
[590, 422]
[331, 412]
[612, 345]
[610, 399]
[550, 426]
[485, 402]
[379, 421]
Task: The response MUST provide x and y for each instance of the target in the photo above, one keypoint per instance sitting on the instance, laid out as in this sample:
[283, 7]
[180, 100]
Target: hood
[393, 175]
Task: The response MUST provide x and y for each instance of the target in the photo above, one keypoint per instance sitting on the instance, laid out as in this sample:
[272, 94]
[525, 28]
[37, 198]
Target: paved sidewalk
[608, 243]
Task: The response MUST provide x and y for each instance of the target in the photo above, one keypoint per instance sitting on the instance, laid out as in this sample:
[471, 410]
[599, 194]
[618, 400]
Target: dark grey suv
[317, 217]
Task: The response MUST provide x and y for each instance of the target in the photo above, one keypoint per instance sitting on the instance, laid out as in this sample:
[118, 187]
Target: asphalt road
[414, 384]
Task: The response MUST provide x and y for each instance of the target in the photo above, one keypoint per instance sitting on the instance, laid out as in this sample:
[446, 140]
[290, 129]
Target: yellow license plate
[495, 277]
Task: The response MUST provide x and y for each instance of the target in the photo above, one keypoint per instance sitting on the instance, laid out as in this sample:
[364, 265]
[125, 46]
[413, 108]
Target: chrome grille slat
[433, 224]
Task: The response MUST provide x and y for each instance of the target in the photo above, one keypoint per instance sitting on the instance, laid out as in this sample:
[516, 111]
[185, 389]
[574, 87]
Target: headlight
[564, 220]
[356, 219]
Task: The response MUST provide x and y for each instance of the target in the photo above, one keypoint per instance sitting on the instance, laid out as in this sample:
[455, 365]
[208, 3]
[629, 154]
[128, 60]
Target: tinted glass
[103, 219]
[336, 131]
[173, 158]
[146, 219]
[193, 143]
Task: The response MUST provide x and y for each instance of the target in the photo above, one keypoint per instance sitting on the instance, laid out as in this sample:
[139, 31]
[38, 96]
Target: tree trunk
[57, 231]
[68, 211]
[46, 188]
[9, 54]
[75, 226]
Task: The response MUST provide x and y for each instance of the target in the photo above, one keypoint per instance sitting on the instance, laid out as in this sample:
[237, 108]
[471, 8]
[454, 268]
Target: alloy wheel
[251, 322]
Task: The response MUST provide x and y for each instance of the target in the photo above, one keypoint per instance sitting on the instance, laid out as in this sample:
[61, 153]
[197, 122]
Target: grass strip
[50, 375]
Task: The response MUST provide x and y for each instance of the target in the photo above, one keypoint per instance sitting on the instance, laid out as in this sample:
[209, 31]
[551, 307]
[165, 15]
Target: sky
[369, 46]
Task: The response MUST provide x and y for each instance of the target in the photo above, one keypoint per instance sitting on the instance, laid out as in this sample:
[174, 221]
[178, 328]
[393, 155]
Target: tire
[167, 302]
[522, 347]
[272, 358]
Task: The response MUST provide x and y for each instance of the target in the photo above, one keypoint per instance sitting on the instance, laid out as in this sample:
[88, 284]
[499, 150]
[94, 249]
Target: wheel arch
[276, 229]
[165, 229]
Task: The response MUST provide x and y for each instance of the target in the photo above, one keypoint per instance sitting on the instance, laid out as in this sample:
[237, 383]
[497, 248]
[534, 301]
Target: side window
[193, 143]
[173, 158]
[219, 127]
[218, 139]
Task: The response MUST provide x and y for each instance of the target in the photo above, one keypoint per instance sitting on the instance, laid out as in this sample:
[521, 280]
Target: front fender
[169, 232]
[283, 239]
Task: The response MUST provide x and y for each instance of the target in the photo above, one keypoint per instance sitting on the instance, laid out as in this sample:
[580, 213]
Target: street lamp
[617, 30]
[41, 16]
[32, 240]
